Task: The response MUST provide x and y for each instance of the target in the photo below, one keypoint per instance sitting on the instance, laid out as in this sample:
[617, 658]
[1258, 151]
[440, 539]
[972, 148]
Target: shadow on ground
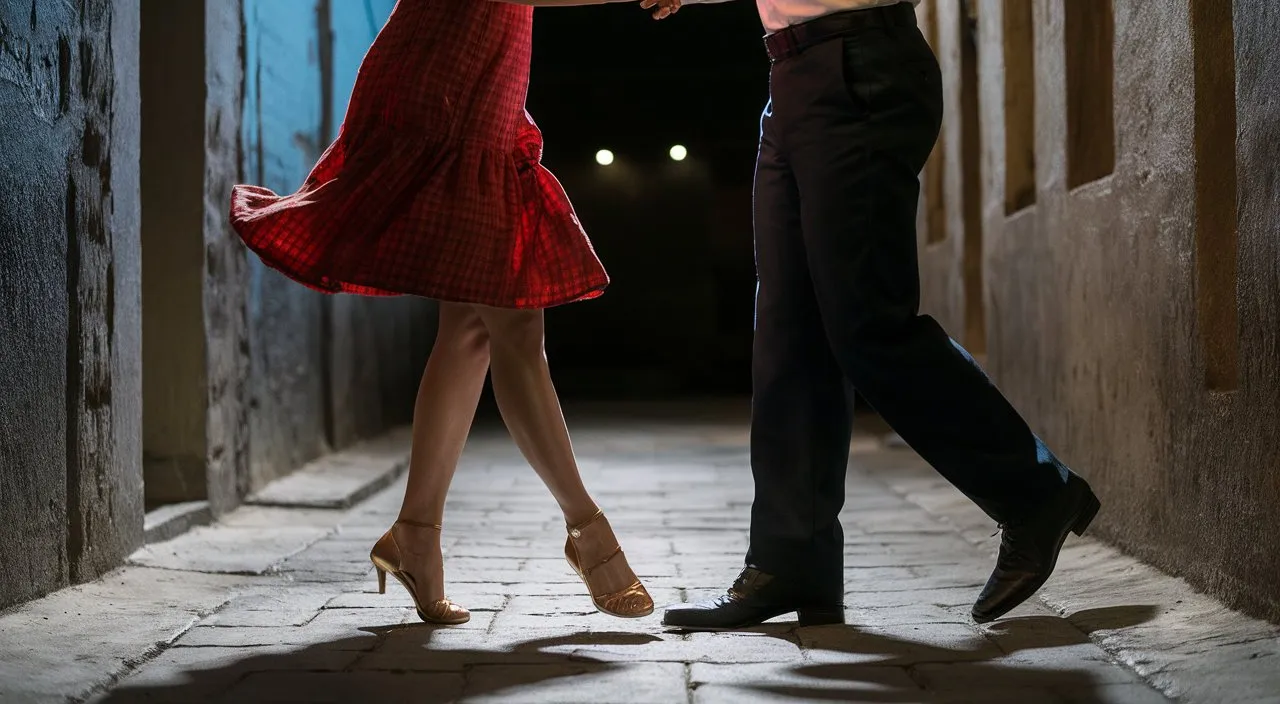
[1016, 660]
[1029, 659]
[394, 663]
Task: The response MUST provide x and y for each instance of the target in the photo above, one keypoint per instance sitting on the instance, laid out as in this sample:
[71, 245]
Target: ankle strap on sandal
[576, 531]
[417, 524]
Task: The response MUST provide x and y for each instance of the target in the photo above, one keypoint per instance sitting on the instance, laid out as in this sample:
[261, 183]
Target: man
[854, 110]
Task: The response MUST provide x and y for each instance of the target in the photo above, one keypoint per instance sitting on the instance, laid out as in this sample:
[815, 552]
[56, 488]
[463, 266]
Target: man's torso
[780, 14]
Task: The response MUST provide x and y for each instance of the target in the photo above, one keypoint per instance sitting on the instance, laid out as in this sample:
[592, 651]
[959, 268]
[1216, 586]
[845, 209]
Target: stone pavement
[278, 604]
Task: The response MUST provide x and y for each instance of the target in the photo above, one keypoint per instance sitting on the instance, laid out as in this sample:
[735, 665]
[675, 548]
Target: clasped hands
[662, 9]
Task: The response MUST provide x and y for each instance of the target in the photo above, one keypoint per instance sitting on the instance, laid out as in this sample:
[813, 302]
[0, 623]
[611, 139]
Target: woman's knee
[462, 330]
[515, 330]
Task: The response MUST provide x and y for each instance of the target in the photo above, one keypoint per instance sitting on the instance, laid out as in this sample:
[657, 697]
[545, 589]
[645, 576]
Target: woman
[434, 187]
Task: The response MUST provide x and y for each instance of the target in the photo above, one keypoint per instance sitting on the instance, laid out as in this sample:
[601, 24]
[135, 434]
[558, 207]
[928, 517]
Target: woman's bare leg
[531, 410]
[442, 416]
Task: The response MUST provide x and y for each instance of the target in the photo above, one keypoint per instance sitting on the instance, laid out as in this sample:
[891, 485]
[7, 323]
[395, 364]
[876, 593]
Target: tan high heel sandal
[386, 558]
[632, 602]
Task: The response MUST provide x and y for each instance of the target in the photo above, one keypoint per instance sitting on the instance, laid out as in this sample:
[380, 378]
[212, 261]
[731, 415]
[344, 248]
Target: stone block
[68, 643]
[341, 687]
[910, 614]
[342, 479]
[227, 549]
[205, 674]
[716, 684]
[897, 646]
[577, 683]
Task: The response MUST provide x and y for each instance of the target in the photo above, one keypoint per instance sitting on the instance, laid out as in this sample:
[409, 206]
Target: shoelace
[1010, 549]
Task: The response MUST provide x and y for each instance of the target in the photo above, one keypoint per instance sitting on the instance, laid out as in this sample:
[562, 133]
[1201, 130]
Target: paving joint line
[131, 665]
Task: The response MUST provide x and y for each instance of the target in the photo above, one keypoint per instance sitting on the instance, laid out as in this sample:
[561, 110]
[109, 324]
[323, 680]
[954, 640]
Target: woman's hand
[662, 9]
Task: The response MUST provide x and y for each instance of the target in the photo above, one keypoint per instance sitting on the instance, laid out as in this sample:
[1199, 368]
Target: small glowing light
[604, 157]
[679, 153]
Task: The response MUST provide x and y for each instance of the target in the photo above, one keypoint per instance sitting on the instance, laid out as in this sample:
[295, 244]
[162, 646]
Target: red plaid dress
[434, 186]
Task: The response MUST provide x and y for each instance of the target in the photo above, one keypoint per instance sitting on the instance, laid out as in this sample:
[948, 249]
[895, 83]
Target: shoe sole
[386, 568]
[827, 616]
[583, 577]
[1089, 508]
[610, 613]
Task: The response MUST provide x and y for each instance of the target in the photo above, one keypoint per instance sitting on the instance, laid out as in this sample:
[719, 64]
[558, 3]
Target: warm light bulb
[604, 157]
[678, 152]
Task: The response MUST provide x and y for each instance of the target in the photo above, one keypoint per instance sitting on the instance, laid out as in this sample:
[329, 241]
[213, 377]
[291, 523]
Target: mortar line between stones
[379, 640]
[506, 602]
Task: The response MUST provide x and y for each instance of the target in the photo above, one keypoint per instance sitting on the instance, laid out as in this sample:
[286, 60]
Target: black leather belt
[796, 38]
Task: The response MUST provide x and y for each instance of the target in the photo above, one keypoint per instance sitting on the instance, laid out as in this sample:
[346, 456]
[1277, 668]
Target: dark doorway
[172, 179]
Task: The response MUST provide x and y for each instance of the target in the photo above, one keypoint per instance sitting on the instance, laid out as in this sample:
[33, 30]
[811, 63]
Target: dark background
[674, 236]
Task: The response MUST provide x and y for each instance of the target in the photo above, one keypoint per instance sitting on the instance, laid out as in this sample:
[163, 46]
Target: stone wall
[1129, 208]
[225, 288]
[122, 130]
[70, 411]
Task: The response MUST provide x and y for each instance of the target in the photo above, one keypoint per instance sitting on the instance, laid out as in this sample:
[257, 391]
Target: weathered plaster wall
[1093, 294]
[70, 457]
[115, 493]
[71, 302]
[940, 236]
[226, 288]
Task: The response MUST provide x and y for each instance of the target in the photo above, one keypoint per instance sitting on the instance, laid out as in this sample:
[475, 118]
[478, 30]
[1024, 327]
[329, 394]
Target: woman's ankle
[419, 516]
[577, 515]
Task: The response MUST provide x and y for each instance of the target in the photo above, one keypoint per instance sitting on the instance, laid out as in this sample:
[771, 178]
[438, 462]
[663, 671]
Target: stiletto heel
[385, 556]
[631, 602]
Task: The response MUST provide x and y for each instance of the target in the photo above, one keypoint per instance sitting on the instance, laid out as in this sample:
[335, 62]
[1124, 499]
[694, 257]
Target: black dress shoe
[1029, 549]
[754, 598]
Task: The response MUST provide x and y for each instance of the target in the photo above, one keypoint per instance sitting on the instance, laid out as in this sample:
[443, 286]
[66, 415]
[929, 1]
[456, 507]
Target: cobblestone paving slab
[1185, 643]
[677, 490]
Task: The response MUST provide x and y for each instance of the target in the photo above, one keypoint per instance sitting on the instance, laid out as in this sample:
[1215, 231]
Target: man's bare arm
[665, 8]
[661, 8]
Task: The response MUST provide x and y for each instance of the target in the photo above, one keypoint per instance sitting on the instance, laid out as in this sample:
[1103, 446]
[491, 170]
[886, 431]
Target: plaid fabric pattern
[434, 186]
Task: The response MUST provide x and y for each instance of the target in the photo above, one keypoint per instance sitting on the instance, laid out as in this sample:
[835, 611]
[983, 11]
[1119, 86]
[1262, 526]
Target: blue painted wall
[377, 346]
[325, 370]
[355, 24]
[281, 138]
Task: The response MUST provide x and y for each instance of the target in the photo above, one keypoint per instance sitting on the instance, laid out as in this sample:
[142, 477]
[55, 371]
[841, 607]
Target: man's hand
[662, 9]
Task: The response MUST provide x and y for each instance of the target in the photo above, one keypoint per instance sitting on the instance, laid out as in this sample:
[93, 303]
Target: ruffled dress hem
[370, 221]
